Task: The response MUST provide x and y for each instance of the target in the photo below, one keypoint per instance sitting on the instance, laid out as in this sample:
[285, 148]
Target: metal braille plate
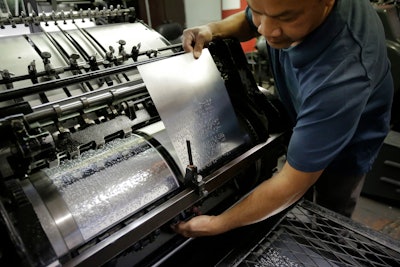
[194, 105]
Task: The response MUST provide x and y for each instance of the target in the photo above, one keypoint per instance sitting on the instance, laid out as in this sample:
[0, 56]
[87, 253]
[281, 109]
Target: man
[332, 73]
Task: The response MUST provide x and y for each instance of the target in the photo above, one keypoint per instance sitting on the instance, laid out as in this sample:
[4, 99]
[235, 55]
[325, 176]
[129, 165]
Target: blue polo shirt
[337, 88]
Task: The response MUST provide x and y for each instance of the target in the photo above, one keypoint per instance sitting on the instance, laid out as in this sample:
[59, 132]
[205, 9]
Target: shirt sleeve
[329, 115]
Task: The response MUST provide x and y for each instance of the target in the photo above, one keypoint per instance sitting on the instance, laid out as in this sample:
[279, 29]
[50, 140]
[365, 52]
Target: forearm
[235, 26]
[269, 198]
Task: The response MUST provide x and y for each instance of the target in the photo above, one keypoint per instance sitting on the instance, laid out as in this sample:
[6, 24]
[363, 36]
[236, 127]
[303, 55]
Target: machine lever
[192, 177]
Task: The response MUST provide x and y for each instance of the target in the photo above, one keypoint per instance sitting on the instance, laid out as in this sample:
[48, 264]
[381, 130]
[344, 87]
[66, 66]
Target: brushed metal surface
[194, 105]
[132, 34]
[17, 54]
[44, 45]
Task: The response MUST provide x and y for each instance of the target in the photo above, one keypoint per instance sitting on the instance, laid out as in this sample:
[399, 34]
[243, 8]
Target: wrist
[214, 31]
[220, 224]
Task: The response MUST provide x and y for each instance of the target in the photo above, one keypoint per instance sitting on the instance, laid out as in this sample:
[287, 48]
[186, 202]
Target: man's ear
[329, 3]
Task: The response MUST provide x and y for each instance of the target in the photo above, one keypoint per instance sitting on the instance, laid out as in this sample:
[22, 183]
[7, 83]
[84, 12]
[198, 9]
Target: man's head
[286, 23]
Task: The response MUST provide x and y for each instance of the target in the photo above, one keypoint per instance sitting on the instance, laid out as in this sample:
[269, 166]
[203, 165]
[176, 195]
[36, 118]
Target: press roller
[83, 197]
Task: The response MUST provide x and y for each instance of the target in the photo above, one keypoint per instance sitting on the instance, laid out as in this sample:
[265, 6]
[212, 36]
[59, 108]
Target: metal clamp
[192, 177]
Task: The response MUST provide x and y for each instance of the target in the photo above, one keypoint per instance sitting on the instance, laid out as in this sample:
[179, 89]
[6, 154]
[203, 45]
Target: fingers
[182, 228]
[198, 47]
[202, 225]
[188, 229]
[188, 39]
[195, 39]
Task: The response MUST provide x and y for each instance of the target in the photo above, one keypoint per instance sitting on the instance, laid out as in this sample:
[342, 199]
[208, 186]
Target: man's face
[286, 23]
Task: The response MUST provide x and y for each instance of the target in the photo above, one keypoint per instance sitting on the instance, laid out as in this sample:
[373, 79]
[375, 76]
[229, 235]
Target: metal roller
[86, 196]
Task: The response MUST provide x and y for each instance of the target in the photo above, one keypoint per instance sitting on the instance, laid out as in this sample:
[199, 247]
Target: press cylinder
[84, 197]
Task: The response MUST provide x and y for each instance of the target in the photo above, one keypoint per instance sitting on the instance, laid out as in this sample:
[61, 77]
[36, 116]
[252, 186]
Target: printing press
[102, 149]
[111, 134]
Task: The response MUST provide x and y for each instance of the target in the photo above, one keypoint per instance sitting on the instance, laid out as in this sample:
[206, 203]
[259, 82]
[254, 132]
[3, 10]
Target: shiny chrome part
[100, 188]
[58, 210]
[93, 99]
[47, 221]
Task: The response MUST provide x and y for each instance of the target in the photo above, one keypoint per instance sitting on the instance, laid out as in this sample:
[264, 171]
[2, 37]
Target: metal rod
[52, 85]
[189, 150]
[391, 181]
[78, 103]
[75, 43]
[59, 48]
[392, 163]
[146, 2]
[93, 41]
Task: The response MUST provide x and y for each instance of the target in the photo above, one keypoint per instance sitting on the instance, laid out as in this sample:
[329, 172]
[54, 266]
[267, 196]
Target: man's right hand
[234, 26]
[195, 39]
